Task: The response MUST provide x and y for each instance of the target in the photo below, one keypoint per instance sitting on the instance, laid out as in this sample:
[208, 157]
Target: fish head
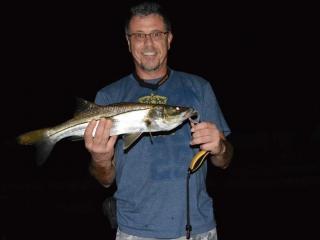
[166, 117]
[179, 113]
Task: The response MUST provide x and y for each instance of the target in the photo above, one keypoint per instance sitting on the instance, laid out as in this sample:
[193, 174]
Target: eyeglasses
[155, 36]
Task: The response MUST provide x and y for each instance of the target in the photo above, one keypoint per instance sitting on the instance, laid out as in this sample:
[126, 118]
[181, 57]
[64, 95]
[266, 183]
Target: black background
[259, 59]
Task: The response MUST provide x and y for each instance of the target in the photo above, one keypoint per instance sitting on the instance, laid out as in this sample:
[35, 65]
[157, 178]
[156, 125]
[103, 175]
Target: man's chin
[149, 68]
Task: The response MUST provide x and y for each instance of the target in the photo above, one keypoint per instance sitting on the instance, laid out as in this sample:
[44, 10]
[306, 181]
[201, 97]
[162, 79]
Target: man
[151, 176]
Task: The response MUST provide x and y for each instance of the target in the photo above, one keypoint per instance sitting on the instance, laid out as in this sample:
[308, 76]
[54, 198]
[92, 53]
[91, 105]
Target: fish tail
[40, 139]
[32, 137]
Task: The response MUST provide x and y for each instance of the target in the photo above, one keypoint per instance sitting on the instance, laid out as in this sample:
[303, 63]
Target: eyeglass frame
[151, 35]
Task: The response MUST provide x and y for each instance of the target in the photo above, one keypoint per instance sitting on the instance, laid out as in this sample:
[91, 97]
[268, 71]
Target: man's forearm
[104, 174]
[223, 159]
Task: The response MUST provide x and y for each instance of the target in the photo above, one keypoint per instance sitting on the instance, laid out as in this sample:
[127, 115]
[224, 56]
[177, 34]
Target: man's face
[149, 51]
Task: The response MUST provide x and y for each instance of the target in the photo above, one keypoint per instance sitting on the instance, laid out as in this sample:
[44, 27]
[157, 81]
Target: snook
[128, 119]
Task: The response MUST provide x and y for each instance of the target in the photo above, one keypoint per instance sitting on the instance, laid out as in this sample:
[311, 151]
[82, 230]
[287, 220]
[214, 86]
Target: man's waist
[208, 235]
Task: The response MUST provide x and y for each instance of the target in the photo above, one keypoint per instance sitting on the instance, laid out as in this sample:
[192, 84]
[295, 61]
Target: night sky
[260, 62]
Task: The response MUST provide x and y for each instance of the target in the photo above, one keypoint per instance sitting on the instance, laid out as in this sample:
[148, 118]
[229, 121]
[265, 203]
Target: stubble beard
[151, 67]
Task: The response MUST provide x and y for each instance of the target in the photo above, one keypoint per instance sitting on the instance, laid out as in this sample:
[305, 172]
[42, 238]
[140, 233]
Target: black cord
[188, 225]
[152, 86]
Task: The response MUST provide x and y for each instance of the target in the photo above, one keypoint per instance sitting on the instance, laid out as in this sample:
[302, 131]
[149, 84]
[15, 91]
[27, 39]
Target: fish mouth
[192, 115]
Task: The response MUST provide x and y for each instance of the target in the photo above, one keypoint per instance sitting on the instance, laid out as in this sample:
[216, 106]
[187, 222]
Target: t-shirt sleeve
[101, 98]
[211, 110]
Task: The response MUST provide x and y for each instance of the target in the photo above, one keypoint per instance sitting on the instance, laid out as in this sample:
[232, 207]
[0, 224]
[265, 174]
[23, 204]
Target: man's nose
[148, 39]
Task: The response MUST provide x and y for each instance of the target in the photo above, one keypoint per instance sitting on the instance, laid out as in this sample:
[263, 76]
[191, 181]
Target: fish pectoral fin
[151, 137]
[129, 139]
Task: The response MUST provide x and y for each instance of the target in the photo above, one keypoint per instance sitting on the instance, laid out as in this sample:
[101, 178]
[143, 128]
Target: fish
[129, 119]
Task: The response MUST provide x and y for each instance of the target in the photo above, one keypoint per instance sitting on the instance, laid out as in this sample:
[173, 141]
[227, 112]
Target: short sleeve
[211, 110]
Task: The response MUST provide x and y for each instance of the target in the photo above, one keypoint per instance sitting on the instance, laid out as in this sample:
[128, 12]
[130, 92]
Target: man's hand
[101, 145]
[101, 148]
[209, 138]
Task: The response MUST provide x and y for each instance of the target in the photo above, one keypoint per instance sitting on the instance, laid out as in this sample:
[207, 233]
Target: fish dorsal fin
[83, 105]
[129, 139]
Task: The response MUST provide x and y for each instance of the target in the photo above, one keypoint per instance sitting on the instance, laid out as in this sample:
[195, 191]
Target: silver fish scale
[112, 110]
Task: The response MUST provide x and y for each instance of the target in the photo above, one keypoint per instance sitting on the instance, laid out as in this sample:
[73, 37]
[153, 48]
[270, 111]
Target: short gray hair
[146, 8]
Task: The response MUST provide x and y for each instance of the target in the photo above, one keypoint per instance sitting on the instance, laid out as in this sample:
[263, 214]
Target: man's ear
[129, 44]
[170, 37]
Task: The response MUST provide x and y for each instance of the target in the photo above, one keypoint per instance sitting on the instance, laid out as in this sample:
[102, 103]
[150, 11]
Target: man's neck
[151, 75]
[152, 83]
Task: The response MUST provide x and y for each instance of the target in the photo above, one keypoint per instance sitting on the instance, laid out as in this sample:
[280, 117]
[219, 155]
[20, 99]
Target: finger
[89, 129]
[206, 146]
[107, 129]
[103, 133]
[112, 141]
[203, 132]
[100, 131]
[214, 148]
[203, 125]
[108, 122]
[201, 140]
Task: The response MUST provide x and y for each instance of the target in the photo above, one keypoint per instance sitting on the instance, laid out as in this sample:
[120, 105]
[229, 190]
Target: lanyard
[153, 86]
